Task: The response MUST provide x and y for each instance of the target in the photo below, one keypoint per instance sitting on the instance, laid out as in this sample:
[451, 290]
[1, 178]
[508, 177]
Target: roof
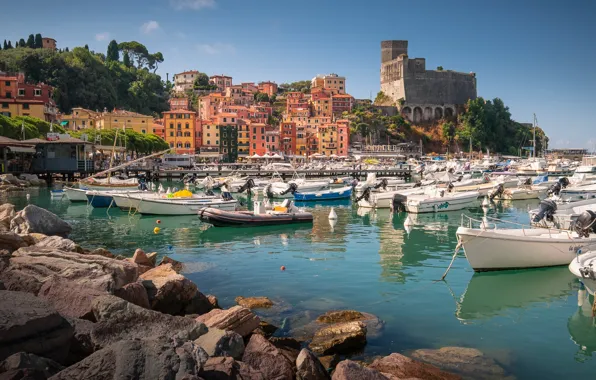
[180, 111]
[116, 112]
[342, 96]
[5, 141]
[68, 140]
[188, 72]
[220, 76]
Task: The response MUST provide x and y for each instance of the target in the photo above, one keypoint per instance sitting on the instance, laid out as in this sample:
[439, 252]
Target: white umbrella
[255, 156]
[276, 156]
[334, 156]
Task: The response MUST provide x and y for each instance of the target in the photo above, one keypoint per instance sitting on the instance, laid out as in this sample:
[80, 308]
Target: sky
[538, 56]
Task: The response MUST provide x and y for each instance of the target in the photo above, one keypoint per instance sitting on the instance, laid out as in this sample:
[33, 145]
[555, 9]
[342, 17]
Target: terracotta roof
[188, 72]
[342, 96]
[117, 112]
[180, 111]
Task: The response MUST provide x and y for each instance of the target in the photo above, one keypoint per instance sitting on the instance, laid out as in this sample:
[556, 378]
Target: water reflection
[582, 326]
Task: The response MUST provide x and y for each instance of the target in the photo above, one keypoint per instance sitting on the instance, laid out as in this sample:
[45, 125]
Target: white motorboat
[578, 193]
[282, 190]
[518, 193]
[111, 183]
[484, 188]
[584, 268]
[552, 214]
[131, 201]
[435, 200]
[170, 206]
[499, 249]
[76, 195]
[383, 198]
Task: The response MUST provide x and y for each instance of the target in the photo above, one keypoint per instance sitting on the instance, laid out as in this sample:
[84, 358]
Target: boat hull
[457, 202]
[99, 200]
[581, 261]
[76, 195]
[325, 195]
[488, 250]
[222, 218]
[177, 207]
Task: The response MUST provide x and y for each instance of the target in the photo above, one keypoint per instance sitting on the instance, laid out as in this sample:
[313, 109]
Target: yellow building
[180, 130]
[331, 81]
[328, 139]
[130, 120]
[80, 118]
[211, 134]
[17, 107]
[243, 139]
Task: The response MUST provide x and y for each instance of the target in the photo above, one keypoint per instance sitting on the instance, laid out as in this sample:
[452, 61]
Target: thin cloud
[216, 48]
[149, 27]
[102, 36]
[192, 4]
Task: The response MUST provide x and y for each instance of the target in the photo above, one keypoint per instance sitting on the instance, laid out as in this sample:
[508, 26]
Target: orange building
[343, 133]
[341, 103]
[48, 43]
[210, 137]
[287, 134]
[332, 82]
[321, 104]
[269, 88]
[257, 139]
[159, 130]
[179, 103]
[295, 100]
[221, 81]
[243, 138]
[180, 127]
[328, 139]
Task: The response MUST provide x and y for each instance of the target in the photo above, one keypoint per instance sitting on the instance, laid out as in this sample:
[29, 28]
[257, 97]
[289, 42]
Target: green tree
[273, 98]
[136, 51]
[439, 68]
[126, 59]
[31, 41]
[21, 43]
[9, 45]
[113, 52]
[261, 97]
[5, 45]
[202, 83]
[38, 41]
[86, 47]
[154, 60]
[66, 49]
[299, 86]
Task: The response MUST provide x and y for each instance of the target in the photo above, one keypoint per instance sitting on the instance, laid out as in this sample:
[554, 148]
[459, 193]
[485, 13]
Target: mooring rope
[457, 248]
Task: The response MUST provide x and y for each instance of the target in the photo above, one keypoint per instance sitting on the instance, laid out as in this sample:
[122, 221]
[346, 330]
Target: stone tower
[390, 50]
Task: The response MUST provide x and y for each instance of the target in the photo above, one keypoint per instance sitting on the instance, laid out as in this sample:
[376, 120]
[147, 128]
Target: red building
[269, 88]
[343, 133]
[294, 101]
[22, 98]
[257, 139]
[287, 136]
[341, 103]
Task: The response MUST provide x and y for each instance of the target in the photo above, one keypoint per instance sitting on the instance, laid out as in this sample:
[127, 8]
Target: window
[178, 134]
[225, 120]
[115, 120]
[7, 83]
[208, 134]
[187, 145]
[171, 125]
[216, 142]
[83, 122]
[143, 121]
[254, 146]
[21, 92]
[25, 106]
[179, 126]
[8, 94]
[171, 134]
[186, 134]
[208, 142]
[37, 92]
[186, 126]
[179, 145]
[143, 131]
[171, 145]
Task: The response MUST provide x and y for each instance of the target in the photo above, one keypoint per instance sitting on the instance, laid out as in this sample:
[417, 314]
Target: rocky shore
[10, 183]
[71, 313]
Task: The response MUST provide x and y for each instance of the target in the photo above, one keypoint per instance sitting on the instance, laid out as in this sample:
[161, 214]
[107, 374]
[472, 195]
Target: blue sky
[539, 56]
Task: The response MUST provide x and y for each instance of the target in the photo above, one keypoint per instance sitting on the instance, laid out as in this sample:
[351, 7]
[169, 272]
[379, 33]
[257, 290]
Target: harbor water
[528, 321]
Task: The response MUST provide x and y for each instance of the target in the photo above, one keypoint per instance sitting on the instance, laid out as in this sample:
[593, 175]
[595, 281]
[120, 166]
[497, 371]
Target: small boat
[282, 190]
[499, 249]
[103, 199]
[437, 200]
[324, 195]
[384, 198]
[584, 268]
[76, 195]
[552, 214]
[284, 214]
[130, 201]
[57, 194]
[578, 193]
[484, 188]
[518, 193]
[170, 206]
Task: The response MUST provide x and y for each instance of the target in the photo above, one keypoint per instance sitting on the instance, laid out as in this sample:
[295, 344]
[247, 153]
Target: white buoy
[408, 222]
[332, 214]
[332, 224]
[581, 296]
[485, 202]
[28, 196]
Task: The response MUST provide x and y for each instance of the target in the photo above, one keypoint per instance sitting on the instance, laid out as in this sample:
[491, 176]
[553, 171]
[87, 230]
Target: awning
[64, 123]
[21, 149]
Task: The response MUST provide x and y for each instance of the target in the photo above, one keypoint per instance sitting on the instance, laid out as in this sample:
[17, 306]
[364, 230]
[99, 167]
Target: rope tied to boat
[457, 248]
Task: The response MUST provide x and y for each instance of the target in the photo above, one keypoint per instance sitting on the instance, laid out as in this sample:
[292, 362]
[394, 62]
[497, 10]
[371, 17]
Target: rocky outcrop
[266, 329]
[349, 370]
[176, 265]
[168, 291]
[141, 258]
[70, 301]
[263, 356]
[308, 367]
[36, 219]
[30, 365]
[6, 214]
[139, 359]
[468, 362]
[11, 241]
[29, 324]
[81, 345]
[199, 305]
[29, 267]
[403, 367]
[226, 368]
[254, 302]
[60, 243]
[339, 338]
[134, 293]
[237, 318]
[102, 252]
[218, 342]
[120, 320]
[213, 301]
[374, 325]
[33, 238]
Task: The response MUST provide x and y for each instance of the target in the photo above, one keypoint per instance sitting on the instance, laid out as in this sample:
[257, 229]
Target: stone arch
[417, 114]
[407, 113]
[428, 113]
[449, 112]
[438, 113]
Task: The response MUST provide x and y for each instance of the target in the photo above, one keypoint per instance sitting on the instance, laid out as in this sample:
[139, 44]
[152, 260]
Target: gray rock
[81, 345]
[267, 359]
[349, 370]
[169, 292]
[403, 367]
[341, 338]
[226, 368]
[237, 318]
[199, 304]
[22, 360]
[139, 360]
[218, 342]
[29, 267]
[29, 324]
[121, 320]
[36, 219]
[134, 293]
[11, 241]
[288, 347]
[69, 299]
[60, 243]
[308, 367]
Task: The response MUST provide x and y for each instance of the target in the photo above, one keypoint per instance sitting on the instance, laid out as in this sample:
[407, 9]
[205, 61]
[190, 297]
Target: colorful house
[180, 130]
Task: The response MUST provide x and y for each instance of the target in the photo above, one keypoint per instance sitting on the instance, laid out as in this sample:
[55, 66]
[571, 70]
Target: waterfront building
[180, 130]
[48, 43]
[331, 82]
[243, 138]
[210, 136]
[272, 139]
[80, 118]
[328, 139]
[341, 103]
[221, 81]
[66, 155]
[20, 98]
[125, 119]
[343, 133]
[269, 88]
[287, 130]
[185, 80]
[228, 143]
[257, 139]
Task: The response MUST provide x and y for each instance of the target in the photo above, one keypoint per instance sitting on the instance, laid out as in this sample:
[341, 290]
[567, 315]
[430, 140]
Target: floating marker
[28, 196]
[408, 222]
[332, 214]
[485, 202]
[158, 221]
[283, 268]
[156, 230]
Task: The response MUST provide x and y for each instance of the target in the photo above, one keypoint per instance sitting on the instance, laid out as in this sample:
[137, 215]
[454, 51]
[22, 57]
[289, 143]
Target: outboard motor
[450, 187]
[365, 195]
[247, 186]
[528, 181]
[399, 203]
[554, 189]
[497, 192]
[383, 183]
[547, 209]
[564, 181]
[585, 223]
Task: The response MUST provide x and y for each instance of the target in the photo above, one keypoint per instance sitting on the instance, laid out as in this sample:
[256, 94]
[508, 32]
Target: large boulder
[70, 301]
[288, 347]
[349, 370]
[374, 325]
[9, 178]
[199, 304]
[403, 367]
[30, 364]
[30, 324]
[176, 265]
[341, 338]
[121, 320]
[226, 368]
[254, 302]
[81, 344]
[308, 367]
[468, 362]
[141, 258]
[134, 293]
[36, 219]
[169, 292]
[263, 356]
[60, 243]
[6, 214]
[29, 267]
[237, 318]
[218, 342]
[140, 360]
[11, 241]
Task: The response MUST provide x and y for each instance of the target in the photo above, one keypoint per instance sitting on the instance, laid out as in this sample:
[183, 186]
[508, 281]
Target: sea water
[527, 320]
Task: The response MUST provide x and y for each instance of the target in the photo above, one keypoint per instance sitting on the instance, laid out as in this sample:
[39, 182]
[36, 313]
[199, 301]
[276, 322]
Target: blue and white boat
[325, 195]
[103, 199]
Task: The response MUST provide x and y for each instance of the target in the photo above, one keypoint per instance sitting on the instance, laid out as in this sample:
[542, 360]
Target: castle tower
[392, 49]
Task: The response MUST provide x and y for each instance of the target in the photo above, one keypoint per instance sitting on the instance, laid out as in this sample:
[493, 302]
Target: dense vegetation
[300, 86]
[87, 79]
[12, 127]
[375, 127]
[133, 141]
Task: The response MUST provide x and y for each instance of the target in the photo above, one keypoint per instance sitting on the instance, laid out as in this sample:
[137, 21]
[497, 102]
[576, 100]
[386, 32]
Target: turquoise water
[529, 321]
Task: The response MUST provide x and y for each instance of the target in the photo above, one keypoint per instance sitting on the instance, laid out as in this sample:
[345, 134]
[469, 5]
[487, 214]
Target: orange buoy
[158, 221]
[283, 267]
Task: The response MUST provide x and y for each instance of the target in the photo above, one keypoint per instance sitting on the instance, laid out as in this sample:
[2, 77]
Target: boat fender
[332, 214]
